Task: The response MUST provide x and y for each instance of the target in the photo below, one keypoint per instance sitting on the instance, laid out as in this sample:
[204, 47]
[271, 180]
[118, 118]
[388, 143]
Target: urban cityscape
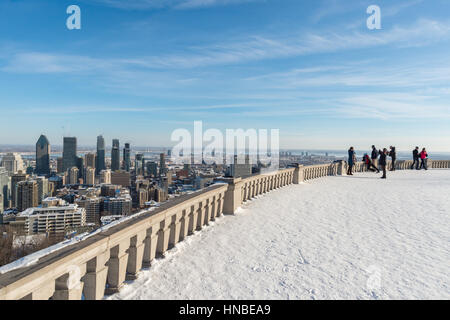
[224, 155]
[57, 197]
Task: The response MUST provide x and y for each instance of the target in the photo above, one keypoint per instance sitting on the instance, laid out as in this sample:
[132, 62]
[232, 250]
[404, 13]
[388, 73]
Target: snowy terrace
[336, 237]
[298, 233]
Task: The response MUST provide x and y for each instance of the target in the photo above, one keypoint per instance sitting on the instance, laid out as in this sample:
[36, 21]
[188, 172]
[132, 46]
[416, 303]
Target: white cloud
[177, 4]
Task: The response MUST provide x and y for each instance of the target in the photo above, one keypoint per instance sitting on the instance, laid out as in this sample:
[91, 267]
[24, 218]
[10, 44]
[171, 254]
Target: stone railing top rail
[269, 174]
[15, 274]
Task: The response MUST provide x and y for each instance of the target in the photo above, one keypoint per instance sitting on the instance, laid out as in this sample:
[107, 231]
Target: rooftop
[339, 237]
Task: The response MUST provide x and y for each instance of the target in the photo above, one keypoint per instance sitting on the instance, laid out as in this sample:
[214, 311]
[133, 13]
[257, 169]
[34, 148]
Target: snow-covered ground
[356, 237]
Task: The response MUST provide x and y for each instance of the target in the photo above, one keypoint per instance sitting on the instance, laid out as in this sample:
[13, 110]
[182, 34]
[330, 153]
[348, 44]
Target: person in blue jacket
[351, 160]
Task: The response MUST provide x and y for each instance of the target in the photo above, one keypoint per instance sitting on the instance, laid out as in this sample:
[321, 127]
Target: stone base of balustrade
[160, 255]
[131, 276]
[111, 290]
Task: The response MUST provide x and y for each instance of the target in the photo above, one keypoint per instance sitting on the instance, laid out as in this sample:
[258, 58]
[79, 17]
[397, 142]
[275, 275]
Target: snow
[34, 257]
[343, 237]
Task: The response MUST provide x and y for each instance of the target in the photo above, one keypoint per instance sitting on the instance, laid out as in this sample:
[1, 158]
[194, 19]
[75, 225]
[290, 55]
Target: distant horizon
[82, 148]
[138, 70]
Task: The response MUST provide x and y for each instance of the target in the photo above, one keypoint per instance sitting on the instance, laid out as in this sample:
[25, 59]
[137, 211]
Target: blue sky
[139, 69]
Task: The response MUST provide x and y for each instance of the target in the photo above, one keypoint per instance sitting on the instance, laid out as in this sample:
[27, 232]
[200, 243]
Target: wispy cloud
[176, 4]
[254, 48]
[421, 33]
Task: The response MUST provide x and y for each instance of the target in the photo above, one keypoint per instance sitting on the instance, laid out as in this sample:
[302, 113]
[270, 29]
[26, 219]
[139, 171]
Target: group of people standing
[379, 158]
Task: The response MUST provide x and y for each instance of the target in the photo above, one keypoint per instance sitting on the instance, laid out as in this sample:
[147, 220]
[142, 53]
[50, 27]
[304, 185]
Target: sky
[139, 69]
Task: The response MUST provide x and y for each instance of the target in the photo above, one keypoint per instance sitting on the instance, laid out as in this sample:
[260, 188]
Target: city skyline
[313, 70]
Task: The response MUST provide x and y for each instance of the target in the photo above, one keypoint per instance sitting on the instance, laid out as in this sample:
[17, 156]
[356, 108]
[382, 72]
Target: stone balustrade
[100, 264]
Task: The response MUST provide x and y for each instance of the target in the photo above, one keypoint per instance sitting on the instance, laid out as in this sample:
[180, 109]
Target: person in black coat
[393, 155]
[383, 162]
[351, 160]
[374, 157]
[416, 158]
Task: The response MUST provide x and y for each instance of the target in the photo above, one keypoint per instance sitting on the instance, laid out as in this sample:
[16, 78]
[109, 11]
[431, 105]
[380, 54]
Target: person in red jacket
[369, 164]
[423, 158]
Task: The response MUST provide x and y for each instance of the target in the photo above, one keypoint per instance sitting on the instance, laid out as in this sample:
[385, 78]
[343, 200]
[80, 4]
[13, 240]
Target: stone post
[150, 244]
[193, 219]
[342, 168]
[175, 229]
[232, 199]
[69, 285]
[135, 255]
[95, 278]
[299, 174]
[184, 222]
[201, 216]
[163, 238]
[117, 267]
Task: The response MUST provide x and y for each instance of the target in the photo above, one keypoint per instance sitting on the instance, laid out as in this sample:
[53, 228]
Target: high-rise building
[101, 165]
[5, 187]
[152, 168]
[43, 156]
[15, 179]
[12, 162]
[139, 164]
[70, 158]
[115, 155]
[1, 208]
[59, 165]
[90, 176]
[89, 160]
[52, 218]
[105, 176]
[91, 206]
[43, 188]
[127, 157]
[73, 175]
[162, 164]
[120, 205]
[121, 178]
[27, 194]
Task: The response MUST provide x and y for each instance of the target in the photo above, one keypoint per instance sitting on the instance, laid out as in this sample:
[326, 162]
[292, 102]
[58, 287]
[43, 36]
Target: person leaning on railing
[416, 158]
[383, 162]
[423, 158]
[351, 160]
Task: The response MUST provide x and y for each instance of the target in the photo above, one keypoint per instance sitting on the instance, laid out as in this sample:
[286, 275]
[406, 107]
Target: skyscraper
[12, 162]
[5, 186]
[115, 155]
[100, 154]
[73, 175]
[27, 195]
[89, 160]
[43, 156]
[70, 153]
[90, 176]
[162, 164]
[42, 183]
[126, 157]
[152, 168]
[15, 179]
[139, 164]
